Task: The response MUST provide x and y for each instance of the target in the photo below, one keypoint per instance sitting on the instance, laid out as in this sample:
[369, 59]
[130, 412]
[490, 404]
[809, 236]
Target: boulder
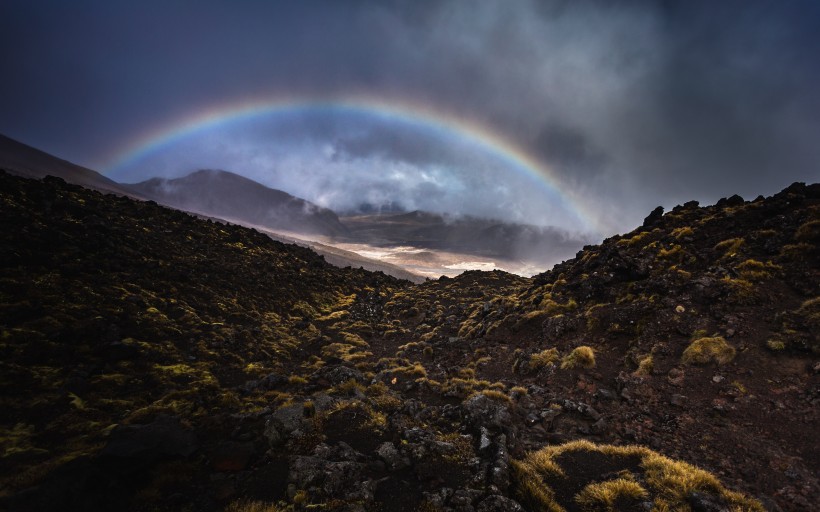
[490, 413]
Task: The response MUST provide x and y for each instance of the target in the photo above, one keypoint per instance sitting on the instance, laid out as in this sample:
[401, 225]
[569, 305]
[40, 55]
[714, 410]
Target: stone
[488, 412]
[283, 422]
[653, 217]
[333, 478]
[496, 503]
[484, 441]
[678, 400]
[600, 427]
[339, 374]
[589, 412]
[675, 377]
[391, 456]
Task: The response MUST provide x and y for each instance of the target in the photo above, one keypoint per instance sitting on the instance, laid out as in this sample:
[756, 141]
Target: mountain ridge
[31, 162]
[226, 194]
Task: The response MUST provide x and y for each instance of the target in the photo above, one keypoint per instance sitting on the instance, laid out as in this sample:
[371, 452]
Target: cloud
[632, 104]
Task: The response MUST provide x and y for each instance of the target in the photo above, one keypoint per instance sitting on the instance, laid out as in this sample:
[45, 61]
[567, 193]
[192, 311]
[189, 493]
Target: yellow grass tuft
[665, 482]
[645, 366]
[706, 350]
[607, 493]
[582, 356]
[543, 358]
[729, 247]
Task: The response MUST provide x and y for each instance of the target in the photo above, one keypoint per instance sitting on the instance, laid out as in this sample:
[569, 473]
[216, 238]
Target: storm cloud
[631, 104]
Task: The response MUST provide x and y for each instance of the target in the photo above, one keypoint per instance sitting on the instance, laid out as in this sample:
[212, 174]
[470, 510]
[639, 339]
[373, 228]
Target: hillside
[24, 160]
[152, 360]
[232, 197]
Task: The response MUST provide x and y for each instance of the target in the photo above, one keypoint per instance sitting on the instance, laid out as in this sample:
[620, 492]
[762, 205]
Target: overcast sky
[632, 104]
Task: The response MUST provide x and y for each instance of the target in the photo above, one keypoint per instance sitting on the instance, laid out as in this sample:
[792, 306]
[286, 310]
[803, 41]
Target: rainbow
[475, 132]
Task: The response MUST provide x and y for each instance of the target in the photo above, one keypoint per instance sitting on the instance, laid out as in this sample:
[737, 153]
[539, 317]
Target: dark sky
[631, 104]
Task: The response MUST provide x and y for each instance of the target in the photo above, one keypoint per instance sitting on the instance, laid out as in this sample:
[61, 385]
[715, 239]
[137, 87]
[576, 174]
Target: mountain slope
[233, 197]
[153, 360]
[30, 162]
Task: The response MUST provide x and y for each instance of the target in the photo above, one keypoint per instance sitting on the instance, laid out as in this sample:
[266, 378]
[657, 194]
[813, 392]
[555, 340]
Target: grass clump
[495, 395]
[796, 252]
[753, 270]
[635, 240]
[583, 357]
[297, 380]
[673, 252]
[742, 290]
[543, 358]
[808, 232]
[729, 247]
[679, 233]
[646, 476]
[775, 345]
[518, 392]
[607, 494]
[645, 366]
[706, 350]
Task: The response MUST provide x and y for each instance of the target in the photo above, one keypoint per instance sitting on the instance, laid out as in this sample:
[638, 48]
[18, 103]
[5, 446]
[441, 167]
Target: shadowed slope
[233, 197]
[26, 161]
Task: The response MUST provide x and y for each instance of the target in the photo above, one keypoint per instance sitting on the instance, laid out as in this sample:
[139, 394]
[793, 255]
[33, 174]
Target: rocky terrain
[152, 360]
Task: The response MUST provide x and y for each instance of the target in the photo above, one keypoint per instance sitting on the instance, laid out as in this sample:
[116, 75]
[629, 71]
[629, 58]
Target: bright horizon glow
[471, 131]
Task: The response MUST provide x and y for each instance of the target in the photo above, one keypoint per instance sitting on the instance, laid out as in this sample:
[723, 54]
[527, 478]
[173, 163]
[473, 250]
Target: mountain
[465, 234]
[27, 161]
[22, 160]
[232, 197]
[154, 360]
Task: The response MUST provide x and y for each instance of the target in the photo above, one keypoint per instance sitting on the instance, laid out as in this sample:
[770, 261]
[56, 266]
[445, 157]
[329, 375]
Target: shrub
[672, 252]
[645, 366]
[518, 392]
[705, 350]
[543, 358]
[775, 345]
[297, 380]
[796, 252]
[808, 232]
[682, 232]
[756, 270]
[496, 395]
[635, 240]
[582, 356]
[730, 247]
